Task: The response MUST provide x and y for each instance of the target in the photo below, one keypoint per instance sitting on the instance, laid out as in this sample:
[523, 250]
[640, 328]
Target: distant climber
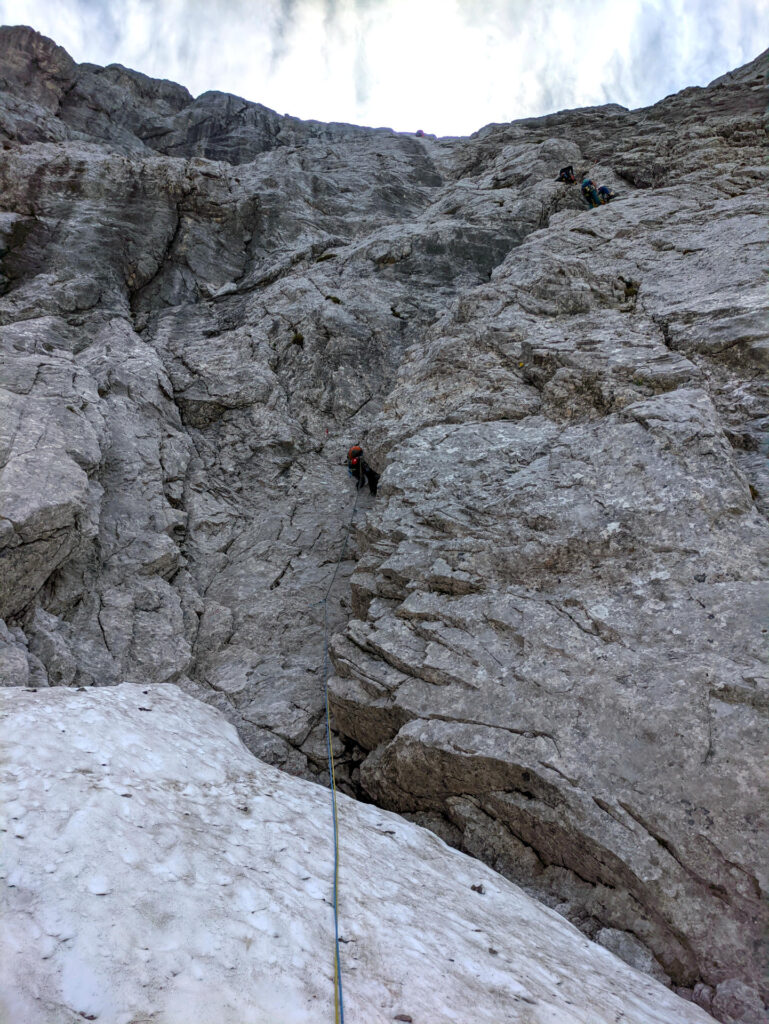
[419, 133]
[590, 192]
[360, 470]
[567, 174]
[606, 194]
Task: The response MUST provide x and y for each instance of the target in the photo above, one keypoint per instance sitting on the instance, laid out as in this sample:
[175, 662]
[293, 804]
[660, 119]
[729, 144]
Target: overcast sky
[446, 66]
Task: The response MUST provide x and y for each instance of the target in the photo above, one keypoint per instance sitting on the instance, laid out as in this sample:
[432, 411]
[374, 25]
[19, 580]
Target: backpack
[354, 459]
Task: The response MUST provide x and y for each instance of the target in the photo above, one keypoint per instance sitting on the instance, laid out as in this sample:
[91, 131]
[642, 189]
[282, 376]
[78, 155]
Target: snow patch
[205, 896]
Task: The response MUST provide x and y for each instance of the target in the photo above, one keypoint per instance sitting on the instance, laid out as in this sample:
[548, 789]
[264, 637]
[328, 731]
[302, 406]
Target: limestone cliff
[550, 632]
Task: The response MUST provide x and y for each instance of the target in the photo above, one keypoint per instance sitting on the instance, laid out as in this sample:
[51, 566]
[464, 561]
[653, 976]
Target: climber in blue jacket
[590, 192]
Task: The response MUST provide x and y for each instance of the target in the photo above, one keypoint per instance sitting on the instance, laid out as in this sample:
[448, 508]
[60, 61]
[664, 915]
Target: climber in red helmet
[360, 470]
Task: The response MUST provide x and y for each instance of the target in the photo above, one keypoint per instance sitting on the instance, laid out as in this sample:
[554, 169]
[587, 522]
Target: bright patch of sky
[446, 66]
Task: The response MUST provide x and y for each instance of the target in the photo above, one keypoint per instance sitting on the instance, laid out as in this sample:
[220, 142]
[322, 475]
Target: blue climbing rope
[338, 994]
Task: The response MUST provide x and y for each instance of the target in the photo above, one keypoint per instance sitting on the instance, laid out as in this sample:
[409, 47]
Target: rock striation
[232, 863]
[550, 630]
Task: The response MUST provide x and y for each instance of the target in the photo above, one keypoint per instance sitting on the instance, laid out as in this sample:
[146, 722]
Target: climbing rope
[338, 995]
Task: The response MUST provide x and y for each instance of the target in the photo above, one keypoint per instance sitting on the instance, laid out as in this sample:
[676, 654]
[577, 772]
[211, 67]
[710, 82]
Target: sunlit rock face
[549, 626]
[154, 870]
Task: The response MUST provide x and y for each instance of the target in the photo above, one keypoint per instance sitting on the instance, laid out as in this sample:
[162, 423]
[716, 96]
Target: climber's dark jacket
[566, 174]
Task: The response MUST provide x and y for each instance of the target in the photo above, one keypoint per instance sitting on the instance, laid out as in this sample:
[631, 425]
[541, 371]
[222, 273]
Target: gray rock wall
[552, 647]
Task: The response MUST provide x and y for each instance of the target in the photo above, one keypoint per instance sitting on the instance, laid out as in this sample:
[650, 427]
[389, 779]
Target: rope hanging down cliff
[338, 994]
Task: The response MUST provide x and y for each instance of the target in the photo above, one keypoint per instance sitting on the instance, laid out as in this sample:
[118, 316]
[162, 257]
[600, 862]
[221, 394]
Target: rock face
[228, 926]
[551, 650]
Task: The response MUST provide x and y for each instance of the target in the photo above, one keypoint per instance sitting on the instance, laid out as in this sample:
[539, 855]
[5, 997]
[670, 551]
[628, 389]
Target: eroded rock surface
[551, 648]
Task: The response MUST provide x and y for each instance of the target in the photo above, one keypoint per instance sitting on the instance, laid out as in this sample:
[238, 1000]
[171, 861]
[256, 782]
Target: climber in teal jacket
[590, 192]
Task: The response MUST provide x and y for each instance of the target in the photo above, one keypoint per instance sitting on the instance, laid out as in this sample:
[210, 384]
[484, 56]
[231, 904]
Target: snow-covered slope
[156, 871]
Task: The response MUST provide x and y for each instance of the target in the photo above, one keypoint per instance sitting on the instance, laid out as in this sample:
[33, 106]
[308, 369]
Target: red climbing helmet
[355, 453]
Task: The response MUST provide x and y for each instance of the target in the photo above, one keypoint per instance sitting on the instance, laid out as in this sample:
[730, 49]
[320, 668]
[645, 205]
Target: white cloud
[447, 66]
